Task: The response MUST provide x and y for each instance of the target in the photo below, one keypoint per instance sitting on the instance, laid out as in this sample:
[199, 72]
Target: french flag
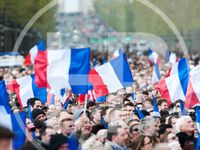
[153, 56]
[61, 69]
[4, 100]
[174, 87]
[90, 95]
[170, 57]
[156, 74]
[193, 90]
[26, 88]
[111, 76]
[174, 68]
[30, 58]
[156, 112]
[16, 123]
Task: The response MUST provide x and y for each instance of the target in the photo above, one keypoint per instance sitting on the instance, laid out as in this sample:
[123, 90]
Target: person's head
[46, 134]
[59, 142]
[162, 104]
[105, 113]
[149, 126]
[122, 135]
[163, 128]
[172, 120]
[51, 108]
[53, 122]
[147, 104]
[6, 137]
[96, 116]
[134, 131]
[66, 123]
[38, 114]
[142, 142]
[185, 124]
[83, 125]
[34, 102]
[91, 106]
[115, 114]
[169, 137]
[129, 107]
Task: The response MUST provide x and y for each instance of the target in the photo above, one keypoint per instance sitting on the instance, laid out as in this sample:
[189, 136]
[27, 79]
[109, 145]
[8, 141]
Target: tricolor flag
[26, 88]
[140, 114]
[183, 112]
[174, 87]
[61, 69]
[153, 56]
[170, 57]
[16, 123]
[4, 100]
[174, 69]
[90, 95]
[156, 74]
[30, 58]
[156, 112]
[111, 76]
[193, 90]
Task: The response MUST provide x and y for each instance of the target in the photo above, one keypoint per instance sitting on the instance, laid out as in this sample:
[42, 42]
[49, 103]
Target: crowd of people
[111, 125]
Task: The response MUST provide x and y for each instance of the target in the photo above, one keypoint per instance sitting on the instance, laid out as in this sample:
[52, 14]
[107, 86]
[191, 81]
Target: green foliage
[127, 16]
[21, 11]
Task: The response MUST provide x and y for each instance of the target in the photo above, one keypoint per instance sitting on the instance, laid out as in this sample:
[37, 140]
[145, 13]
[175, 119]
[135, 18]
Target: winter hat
[37, 112]
[57, 140]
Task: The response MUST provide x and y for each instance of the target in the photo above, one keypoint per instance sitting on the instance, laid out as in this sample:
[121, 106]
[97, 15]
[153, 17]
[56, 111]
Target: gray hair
[180, 121]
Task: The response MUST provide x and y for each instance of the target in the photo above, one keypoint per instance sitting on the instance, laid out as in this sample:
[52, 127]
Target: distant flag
[90, 95]
[50, 98]
[176, 83]
[111, 76]
[104, 123]
[153, 56]
[66, 104]
[170, 57]
[30, 58]
[26, 88]
[58, 69]
[156, 74]
[4, 100]
[197, 118]
[140, 114]
[117, 53]
[133, 96]
[193, 89]
[16, 123]
[155, 108]
[183, 112]
[29, 112]
[101, 99]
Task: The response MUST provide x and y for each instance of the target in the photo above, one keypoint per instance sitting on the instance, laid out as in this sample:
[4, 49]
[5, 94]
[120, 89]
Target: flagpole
[85, 105]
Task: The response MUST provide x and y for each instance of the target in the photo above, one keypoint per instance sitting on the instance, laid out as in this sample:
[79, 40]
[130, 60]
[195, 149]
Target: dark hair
[6, 134]
[43, 130]
[161, 101]
[171, 117]
[129, 104]
[31, 101]
[112, 131]
[90, 104]
[163, 128]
